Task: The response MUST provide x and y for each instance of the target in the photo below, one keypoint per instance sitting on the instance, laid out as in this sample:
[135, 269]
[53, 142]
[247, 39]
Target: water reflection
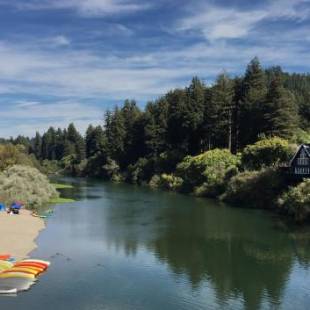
[238, 252]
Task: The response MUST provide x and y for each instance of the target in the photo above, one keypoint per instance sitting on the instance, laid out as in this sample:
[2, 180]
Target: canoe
[38, 261]
[5, 275]
[5, 265]
[9, 291]
[30, 264]
[22, 269]
[20, 284]
[4, 256]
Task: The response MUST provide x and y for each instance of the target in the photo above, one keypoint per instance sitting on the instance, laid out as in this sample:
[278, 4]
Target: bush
[266, 152]
[258, 189]
[141, 171]
[14, 155]
[155, 180]
[111, 170]
[167, 182]
[296, 201]
[206, 174]
[27, 185]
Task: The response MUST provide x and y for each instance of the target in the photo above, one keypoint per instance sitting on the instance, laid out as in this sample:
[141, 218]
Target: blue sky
[70, 60]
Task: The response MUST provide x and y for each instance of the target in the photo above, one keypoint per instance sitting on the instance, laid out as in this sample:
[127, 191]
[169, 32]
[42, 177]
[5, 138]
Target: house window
[302, 170]
[303, 161]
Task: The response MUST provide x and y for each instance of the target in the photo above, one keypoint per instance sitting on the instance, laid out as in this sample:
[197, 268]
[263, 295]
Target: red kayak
[30, 264]
[5, 256]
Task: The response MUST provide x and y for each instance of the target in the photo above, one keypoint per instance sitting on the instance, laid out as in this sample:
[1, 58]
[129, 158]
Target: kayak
[38, 269]
[22, 269]
[16, 274]
[38, 261]
[30, 264]
[5, 265]
[5, 256]
[9, 291]
[39, 216]
[19, 284]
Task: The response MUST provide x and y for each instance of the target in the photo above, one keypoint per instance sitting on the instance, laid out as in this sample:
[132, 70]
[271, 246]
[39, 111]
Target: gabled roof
[306, 147]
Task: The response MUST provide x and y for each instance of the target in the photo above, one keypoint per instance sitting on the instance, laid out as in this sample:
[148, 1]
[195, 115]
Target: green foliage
[61, 186]
[111, 170]
[141, 171]
[280, 111]
[167, 182]
[254, 90]
[15, 155]
[267, 152]
[258, 189]
[26, 184]
[296, 201]
[209, 170]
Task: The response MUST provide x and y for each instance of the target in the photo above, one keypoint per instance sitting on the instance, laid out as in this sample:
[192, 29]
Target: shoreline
[18, 233]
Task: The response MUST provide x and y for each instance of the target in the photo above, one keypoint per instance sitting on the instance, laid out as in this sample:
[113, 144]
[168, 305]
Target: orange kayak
[30, 264]
[21, 269]
[5, 256]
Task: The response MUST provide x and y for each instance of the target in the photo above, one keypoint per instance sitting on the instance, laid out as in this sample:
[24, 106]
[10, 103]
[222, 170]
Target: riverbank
[18, 233]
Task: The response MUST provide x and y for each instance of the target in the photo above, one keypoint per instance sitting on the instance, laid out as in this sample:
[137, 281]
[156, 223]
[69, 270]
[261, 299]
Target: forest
[198, 139]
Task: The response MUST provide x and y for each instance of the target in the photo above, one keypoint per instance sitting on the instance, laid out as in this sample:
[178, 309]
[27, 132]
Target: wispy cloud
[218, 22]
[29, 117]
[86, 8]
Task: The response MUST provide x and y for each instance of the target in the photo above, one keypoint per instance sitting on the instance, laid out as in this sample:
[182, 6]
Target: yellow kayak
[5, 265]
[23, 270]
[5, 275]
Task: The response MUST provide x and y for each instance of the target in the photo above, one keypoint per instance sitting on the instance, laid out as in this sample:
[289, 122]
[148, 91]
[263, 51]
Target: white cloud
[29, 117]
[59, 40]
[216, 22]
[85, 8]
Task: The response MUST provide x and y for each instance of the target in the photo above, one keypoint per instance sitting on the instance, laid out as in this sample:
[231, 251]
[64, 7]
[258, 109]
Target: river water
[126, 247]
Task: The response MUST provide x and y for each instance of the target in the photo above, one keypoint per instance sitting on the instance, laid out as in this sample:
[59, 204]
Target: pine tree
[155, 129]
[37, 146]
[251, 108]
[116, 134]
[222, 100]
[280, 110]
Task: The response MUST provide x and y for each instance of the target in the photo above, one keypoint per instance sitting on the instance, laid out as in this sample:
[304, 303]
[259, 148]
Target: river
[125, 247]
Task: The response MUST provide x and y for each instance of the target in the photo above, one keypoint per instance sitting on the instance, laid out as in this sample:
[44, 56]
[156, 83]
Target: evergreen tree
[155, 129]
[251, 108]
[116, 134]
[37, 146]
[222, 100]
[280, 110]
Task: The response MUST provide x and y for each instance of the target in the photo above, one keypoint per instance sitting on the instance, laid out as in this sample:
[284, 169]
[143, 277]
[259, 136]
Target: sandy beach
[18, 233]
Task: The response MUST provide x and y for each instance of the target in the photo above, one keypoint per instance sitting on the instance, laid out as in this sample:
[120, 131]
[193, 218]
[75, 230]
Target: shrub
[14, 155]
[167, 182]
[207, 173]
[296, 201]
[111, 170]
[258, 189]
[155, 181]
[266, 152]
[25, 184]
[141, 171]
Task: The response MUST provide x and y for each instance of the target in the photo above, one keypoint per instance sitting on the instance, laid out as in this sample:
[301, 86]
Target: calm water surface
[124, 247]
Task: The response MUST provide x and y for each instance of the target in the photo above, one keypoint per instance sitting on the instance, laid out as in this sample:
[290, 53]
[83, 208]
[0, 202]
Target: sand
[18, 233]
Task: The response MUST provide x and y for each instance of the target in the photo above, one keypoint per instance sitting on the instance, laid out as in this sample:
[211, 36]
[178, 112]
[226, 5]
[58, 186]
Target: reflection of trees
[235, 250]
[239, 255]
